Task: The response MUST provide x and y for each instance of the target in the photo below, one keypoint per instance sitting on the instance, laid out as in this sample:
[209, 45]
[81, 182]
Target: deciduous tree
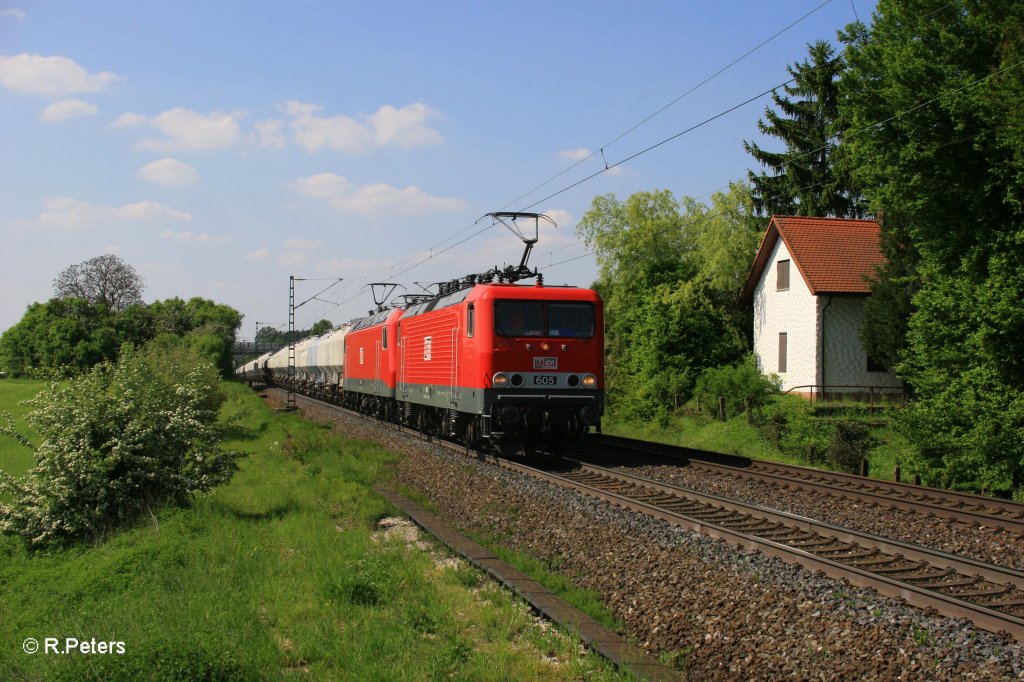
[106, 280]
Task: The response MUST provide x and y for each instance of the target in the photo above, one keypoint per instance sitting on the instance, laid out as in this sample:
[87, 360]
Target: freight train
[484, 359]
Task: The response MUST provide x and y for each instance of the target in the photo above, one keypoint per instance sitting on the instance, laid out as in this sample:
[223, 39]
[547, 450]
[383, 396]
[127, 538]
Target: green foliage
[275, 336]
[948, 177]
[67, 336]
[233, 586]
[321, 327]
[669, 275]
[968, 422]
[790, 424]
[850, 444]
[116, 441]
[736, 383]
[806, 179]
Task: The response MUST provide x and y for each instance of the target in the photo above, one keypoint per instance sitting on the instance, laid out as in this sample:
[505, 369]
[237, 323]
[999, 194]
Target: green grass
[15, 458]
[806, 424]
[277, 575]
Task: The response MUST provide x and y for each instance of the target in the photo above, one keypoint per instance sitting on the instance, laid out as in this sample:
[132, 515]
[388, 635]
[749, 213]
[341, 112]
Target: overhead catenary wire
[621, 135]
[693, 89]
[432, 254]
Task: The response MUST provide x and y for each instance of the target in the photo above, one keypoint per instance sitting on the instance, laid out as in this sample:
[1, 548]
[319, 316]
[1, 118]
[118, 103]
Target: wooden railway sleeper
[993, 591]
[867, 555]
[838, 551]
[870, 565]
[933, 576]
[755, 523]
[1005, 604]
[778, 531]
[817, 541]
[939, 585]
[715, 513]
[914, 566]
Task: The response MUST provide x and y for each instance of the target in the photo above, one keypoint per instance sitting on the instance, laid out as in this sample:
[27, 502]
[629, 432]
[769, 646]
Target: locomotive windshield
[519, 318]
[544, 318]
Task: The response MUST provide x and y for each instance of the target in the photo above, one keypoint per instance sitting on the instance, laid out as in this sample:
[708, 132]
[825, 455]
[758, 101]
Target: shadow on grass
[275, 512]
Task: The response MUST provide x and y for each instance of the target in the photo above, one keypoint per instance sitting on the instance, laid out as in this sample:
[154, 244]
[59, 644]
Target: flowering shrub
[115, 441]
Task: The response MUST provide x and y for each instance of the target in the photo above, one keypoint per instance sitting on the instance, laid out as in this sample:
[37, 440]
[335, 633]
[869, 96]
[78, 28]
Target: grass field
[277, 575]
[15, 458]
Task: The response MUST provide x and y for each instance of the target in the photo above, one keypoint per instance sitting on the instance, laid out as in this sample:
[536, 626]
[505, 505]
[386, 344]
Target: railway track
[974, 509]
[990, 596]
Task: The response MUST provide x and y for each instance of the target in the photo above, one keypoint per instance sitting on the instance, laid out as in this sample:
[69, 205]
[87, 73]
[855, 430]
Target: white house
[808, 284]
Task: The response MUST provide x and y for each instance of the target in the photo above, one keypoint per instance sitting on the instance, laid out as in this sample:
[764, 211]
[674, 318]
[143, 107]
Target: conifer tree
[804, 179]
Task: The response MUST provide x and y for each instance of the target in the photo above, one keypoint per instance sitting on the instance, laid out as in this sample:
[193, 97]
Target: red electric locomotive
[371, 363]
[485, 358]
[516, 364]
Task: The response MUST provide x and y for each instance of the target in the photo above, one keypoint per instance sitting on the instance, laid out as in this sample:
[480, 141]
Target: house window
[782, 351]
[782, 275]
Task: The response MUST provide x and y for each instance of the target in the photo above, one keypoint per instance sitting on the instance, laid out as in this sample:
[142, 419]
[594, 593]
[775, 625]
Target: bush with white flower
[118, 441]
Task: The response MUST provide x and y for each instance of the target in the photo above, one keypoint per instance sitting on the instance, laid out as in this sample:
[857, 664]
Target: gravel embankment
[722, 612]
[991, 545]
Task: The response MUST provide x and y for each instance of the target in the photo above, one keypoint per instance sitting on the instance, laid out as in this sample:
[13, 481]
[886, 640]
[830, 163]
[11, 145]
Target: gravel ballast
[715, 611]
[991, 545]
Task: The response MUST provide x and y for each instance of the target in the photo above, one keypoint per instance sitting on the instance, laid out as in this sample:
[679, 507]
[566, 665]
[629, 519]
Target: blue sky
[219, 147]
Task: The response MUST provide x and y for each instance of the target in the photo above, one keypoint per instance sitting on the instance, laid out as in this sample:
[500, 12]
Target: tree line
[914, 119]
[97, 308]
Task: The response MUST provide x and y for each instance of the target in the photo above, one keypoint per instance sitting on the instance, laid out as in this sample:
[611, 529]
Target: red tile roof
[834, 255]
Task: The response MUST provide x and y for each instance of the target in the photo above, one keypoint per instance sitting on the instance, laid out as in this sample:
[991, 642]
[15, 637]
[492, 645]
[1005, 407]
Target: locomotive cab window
[519, 318]
[571, 320]
[540, 318]
[470, 320]
[384, 338]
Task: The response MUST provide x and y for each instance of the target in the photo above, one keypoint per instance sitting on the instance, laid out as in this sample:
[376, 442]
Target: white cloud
[321, 186]
[304, 244]
[372, 199]
[68, 213]
[184, 129]
[128, 119]
[291, 260]
[261, 254]
[577, 154]
[169, 172]
[112, 249]
[13, 13]
[68, 108]
[268, 134]
[353, 267]
[405, 127]
[381, 198]
[37, 75]
[561, 217]
[186, 236]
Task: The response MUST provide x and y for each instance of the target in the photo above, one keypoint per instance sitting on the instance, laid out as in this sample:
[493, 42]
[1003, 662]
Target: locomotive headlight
[499, 380]
[545, 346]
[589, 381]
